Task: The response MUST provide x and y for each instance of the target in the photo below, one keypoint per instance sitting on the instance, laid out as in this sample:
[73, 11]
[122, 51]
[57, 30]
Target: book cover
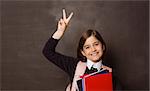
[98, 81]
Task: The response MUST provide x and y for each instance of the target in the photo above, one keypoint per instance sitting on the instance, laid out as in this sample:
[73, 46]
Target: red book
[97, 82]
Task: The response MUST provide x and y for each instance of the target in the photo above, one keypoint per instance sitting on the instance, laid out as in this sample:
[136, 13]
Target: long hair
[82, 40]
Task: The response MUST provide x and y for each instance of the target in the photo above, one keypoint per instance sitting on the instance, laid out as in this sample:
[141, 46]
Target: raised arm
[62, 25]
[64, 62]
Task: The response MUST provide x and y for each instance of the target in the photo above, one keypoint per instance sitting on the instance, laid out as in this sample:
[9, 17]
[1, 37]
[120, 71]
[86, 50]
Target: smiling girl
[90, 51]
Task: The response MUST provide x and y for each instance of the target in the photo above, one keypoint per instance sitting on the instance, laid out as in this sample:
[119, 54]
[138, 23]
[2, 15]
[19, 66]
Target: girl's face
[92, 49]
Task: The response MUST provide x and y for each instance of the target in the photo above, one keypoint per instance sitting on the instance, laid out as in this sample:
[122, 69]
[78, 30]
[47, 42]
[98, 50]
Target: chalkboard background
[27, 25]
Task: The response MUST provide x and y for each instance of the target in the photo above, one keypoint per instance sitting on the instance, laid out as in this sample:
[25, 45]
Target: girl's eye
[96, 44]
[87, 47]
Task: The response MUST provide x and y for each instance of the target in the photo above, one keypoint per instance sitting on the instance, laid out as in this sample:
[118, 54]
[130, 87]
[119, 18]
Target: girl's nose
[93, 48]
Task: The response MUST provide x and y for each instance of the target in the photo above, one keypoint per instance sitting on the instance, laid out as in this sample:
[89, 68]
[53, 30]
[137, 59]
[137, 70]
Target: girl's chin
[95, 60]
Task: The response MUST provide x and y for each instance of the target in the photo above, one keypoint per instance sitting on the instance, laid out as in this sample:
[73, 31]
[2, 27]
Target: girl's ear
[83, 53]
[103, 47]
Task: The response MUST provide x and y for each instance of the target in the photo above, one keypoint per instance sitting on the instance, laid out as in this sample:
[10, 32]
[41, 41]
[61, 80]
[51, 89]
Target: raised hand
[62, 25]
[64, 21]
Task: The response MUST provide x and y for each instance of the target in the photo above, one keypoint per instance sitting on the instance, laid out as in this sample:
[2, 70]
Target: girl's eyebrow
[96, 42]
[85, 45]
[93, 43]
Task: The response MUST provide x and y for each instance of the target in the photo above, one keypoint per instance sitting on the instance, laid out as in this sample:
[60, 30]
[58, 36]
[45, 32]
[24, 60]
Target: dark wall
[27, 25]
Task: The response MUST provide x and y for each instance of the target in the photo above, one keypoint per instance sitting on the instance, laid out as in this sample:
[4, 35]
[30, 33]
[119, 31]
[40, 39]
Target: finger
[62, 22]
[64, 14]
[59, 23]
[68, 19]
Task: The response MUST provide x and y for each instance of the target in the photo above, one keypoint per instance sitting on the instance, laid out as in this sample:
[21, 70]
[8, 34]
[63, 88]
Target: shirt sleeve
[66, 63]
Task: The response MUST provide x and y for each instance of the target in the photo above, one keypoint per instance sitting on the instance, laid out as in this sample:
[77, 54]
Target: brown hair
[82, 40]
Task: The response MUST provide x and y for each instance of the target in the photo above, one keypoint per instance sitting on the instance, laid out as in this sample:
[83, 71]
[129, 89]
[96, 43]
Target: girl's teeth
[93, 54]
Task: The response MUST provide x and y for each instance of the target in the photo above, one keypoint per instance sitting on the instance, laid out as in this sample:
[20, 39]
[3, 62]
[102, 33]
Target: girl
[89, 53]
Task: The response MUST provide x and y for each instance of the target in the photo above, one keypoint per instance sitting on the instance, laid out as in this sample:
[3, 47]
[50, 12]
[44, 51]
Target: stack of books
[97, 81]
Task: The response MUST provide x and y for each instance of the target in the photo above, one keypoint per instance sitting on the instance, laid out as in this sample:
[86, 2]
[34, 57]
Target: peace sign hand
[63, 23]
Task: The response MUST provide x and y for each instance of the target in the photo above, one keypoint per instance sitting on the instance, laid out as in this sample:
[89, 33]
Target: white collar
[95, 65]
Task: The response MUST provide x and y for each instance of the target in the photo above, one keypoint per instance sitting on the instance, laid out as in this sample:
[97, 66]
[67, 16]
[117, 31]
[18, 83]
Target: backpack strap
[80, 69]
